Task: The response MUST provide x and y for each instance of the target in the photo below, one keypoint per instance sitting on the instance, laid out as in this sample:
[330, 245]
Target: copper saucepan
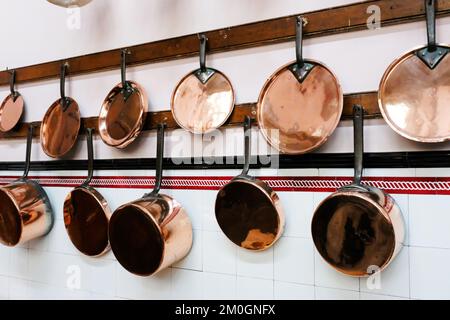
[151, 233]
[61, 123]
[414, 92]
[25, 210]
[300, 105]
[247, 210]
[204, 99]
[11, 109]
[86, 213]
[359, 229]
[123, 111]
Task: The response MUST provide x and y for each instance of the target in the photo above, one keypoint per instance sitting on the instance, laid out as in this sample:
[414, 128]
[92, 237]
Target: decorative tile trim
[394, 185]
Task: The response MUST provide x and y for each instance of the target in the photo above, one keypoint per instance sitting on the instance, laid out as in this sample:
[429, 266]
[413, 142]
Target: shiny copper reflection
[296, 117]
[120, 121]
[414, 99]
[356, 235]
[249, 214]
[86, 217]
[11, 112]
[150, 234]
[200, 108]
[59, 129]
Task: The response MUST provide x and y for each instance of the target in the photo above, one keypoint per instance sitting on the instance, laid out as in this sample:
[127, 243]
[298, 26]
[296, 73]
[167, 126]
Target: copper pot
[151, 233]
[25, 210]
[247, 210]
[359, 229]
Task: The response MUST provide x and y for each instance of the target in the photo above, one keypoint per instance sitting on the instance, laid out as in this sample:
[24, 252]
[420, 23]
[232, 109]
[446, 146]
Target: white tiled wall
[217, 269]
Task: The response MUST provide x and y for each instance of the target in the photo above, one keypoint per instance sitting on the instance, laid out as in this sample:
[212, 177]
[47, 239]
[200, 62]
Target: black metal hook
[430, 6]
[203, 40]
[28, 151]
[90, 153]
[247, 144]
[127, 89]
[62, 86]
[159, 159]
[12, 84]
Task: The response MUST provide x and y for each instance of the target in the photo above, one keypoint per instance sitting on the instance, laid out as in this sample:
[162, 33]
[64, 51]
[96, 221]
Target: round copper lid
[202, 107]
[60, 127]
[297, 116]
[414, 99]
[352, 234]
[10, 222]
[86, 217]
[121, 120]
[11, 112]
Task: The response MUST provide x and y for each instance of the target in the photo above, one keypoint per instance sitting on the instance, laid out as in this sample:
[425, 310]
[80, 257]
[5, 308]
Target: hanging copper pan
[247, 210]
[25, 210]
[123, 111]
[358, 229]
[86, 213]
[204, 99]
[11, 109]
[61, 123]
[415, 90]
[151, 233]
[300, 105]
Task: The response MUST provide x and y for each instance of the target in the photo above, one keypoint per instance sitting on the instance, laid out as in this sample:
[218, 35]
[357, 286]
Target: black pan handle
[90, 153]
[127, 89]
[12, 84]
[247, 145]
[159, 159]
[62, 86]
[28, 152]
[358, 136]
[299, 41]
[202, 51]
[430, 6]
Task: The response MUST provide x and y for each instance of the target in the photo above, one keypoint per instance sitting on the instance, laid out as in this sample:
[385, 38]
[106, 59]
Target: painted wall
[214, 268]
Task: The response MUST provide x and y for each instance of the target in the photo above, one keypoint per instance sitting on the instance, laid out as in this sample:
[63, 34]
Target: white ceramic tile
[18, 289]
[102, 276]
[369, 296]
[219, 253]
[318, 197]
[298, 172]
[294, 260]
[433, 172]
[402, 201]
[326, 276]
[219, 286]
[18, 263]
[254, 289]
[429, 273]
[187, 285]
[429, 221]
[298, 208]
[292, 291]
[194, 260]
[209, 221]
[325, 172]
[398, 172]
[255, 264]
[59, 241]
[393, 281]
[4, 288]
[156, 287]
[335, 294]
[4, 260]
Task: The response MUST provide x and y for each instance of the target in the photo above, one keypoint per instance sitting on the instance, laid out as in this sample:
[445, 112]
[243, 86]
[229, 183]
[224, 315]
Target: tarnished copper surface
[150, 234]
[200, 108]
[249, 213]
[414, 99]
[86, 217]
[60, 128]
[25, 212]
[11, 112]
[296, 117]
[358, 232]
[120, 121]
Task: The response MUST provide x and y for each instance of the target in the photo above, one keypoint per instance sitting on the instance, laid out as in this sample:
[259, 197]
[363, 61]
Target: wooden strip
[340, 19]
[367, 99]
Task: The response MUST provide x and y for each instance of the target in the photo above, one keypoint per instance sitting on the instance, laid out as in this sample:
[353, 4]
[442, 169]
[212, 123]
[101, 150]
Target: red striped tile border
[394, 185]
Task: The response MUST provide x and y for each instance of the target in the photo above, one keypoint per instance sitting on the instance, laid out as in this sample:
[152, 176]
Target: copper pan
[151, 233]
[359, 229]
[25, 210]
[414, 92]
[61, 123]
[204, 99]
[247, 210]
[11, 109]
[86, 213]
[123, 111]
[300, 105]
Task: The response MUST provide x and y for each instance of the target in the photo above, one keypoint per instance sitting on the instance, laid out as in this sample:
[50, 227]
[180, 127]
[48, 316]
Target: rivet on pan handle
[247, 145]
[203, 74]
[159, 159]
[90, 152]
[301, 68]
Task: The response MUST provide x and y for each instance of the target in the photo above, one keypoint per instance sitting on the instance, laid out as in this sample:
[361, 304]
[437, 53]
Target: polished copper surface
[11, 112]
[120, 121]
[357, 232]
[150, 234]
[249, 213]
[86, 217]
[201, 108]
[59, 128]
[296, 117]
[414, 99]
[25, 212]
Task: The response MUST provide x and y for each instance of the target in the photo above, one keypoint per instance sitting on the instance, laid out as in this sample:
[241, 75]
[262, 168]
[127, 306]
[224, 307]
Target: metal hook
[358, 136]
[90, 152]
[159, 159]
[127, 89]
[430, 6]
[12, 83]
[247, 144]
[28, 151]
[203, 39]
[62, 86]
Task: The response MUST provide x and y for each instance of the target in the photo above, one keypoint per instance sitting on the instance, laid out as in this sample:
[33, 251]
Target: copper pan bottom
[414, 99]
[11, 112]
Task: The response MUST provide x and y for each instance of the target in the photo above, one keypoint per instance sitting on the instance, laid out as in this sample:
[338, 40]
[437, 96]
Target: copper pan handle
[159, 159]
[28, 152]
[202, 52]
[247, 145]
[90, 152]
[299, 41]
[358, 140]
[127, 89]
